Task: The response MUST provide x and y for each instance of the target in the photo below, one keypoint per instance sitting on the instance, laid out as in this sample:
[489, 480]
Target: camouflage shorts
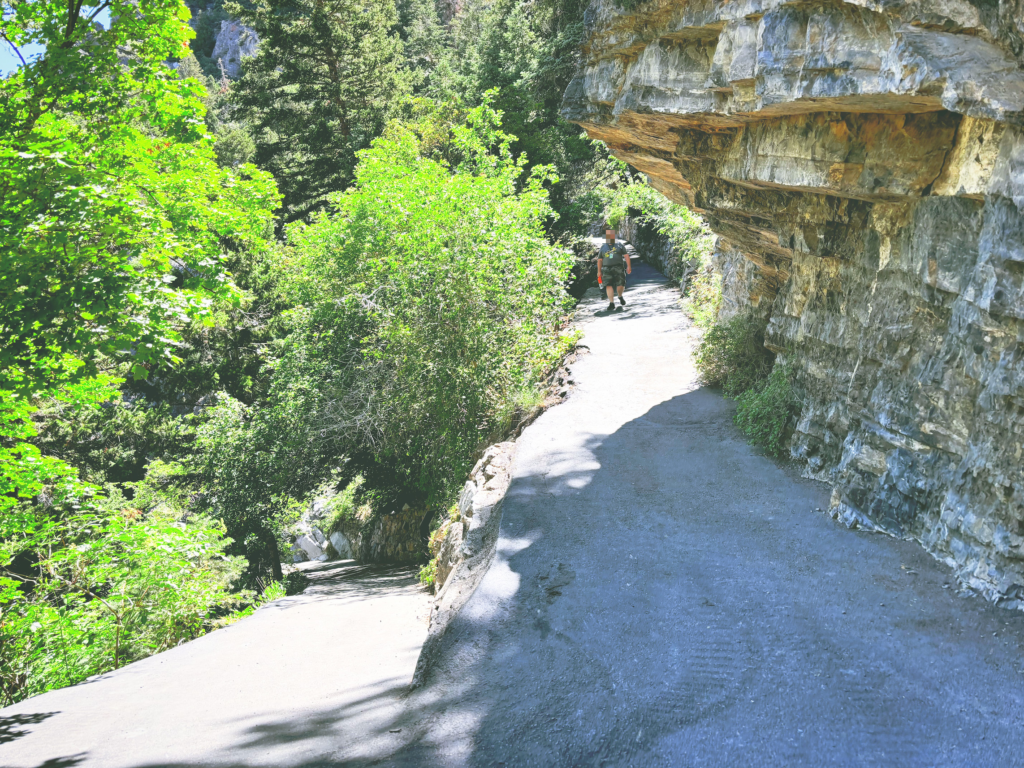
[613, 277]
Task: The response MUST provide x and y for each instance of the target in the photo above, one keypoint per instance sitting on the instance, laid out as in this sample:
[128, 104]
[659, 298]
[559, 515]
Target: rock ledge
[863, 165]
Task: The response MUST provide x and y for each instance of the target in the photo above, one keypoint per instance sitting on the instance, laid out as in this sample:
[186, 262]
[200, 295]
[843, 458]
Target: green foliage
[528, 53]
[764, 413]
[345, 508]
[112, 441]
[703, 297]
[423, 37]
[116, 225]
[109, 194]
[113, 215]
[275, 590]
[243, 469]
[326, 77]
[110, 581]
[690, 236]
[234, 147]
[428, 573]
[428, 297]
[732, 355]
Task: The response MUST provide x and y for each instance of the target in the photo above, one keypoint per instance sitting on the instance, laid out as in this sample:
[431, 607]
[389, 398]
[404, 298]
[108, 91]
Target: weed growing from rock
[764, 413]
[732, 355]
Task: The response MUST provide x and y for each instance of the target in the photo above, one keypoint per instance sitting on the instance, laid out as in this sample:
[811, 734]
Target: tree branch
[7, 40]
[98, 11]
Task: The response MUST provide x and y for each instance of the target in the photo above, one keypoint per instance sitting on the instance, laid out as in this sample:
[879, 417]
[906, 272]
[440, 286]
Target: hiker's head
[609, 234]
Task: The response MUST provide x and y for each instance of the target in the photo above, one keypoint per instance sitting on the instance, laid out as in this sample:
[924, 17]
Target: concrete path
[662, 595]
[342, 652]
[665, 596]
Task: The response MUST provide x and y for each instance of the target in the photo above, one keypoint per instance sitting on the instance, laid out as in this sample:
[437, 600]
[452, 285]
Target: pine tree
[423, 38]
[326, 78]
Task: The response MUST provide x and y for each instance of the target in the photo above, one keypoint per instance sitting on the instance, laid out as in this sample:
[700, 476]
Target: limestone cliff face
[863, 164]
[235, 41]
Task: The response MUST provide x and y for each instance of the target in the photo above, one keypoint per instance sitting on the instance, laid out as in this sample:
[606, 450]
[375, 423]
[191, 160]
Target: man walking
[612, 267]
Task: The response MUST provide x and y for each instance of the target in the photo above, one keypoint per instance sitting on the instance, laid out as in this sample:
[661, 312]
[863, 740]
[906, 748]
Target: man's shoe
[611, 306]
[622, 301]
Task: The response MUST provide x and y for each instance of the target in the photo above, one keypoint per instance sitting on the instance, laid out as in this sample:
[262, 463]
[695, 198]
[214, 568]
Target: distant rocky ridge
[863, 165]
[235, 41]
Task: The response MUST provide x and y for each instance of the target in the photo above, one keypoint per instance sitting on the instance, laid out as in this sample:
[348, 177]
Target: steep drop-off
[863, 164]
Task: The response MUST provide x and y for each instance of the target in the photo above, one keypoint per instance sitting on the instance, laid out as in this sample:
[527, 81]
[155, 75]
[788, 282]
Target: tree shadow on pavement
[665, 595]
[13, 726]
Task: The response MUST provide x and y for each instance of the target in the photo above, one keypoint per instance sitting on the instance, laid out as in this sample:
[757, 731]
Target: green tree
[528, 52]
[327, 76]
[429, 298]
[116, 225]
[423, 37]
[113, 211]
[109, 194]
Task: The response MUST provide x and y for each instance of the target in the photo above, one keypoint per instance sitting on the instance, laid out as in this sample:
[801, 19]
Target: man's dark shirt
[612, 255]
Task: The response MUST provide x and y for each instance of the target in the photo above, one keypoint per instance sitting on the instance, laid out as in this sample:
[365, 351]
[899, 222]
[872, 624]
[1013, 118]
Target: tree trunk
[270, 540]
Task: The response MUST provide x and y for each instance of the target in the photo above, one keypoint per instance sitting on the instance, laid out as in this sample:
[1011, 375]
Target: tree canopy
[326, 78]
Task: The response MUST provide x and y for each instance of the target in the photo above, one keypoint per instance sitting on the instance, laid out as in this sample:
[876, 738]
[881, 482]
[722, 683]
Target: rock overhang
[867, 159]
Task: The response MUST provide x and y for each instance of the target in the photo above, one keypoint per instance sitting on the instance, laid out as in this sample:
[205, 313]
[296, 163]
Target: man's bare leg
[611, 296]
[621, 289]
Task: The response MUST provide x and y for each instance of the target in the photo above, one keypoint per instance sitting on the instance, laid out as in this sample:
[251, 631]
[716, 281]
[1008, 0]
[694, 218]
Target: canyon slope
[863, 165]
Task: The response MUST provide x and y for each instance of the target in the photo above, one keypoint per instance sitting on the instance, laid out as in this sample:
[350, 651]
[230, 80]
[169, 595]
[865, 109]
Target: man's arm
[629, 267]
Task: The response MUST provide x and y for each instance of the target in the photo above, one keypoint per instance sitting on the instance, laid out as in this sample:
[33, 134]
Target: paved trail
[662, 595]
[250, 694]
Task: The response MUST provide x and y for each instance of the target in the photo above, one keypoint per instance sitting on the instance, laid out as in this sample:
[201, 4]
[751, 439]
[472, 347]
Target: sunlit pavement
[662, 595]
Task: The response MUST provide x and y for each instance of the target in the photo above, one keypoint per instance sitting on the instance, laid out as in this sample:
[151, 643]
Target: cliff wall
[863, 165]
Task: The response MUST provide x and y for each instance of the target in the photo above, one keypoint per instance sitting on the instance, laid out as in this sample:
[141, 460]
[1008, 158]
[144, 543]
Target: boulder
[342, 546]
[310, 548]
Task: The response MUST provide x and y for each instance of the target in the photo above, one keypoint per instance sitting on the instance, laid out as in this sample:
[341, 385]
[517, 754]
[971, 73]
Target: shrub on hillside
[112, 581]
[732, 355]
[764, 413]
[703, 297]
[429, 301]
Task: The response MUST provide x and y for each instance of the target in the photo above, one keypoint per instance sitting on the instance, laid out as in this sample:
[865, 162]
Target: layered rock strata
[863, 165]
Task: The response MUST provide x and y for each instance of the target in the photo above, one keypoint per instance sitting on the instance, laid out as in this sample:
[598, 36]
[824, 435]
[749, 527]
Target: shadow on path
[679, 601]
[662, 595]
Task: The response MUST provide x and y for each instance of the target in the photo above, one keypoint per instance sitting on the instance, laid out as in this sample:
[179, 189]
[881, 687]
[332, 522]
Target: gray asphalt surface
[665, 596]
[661, 595]
[342, 652]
